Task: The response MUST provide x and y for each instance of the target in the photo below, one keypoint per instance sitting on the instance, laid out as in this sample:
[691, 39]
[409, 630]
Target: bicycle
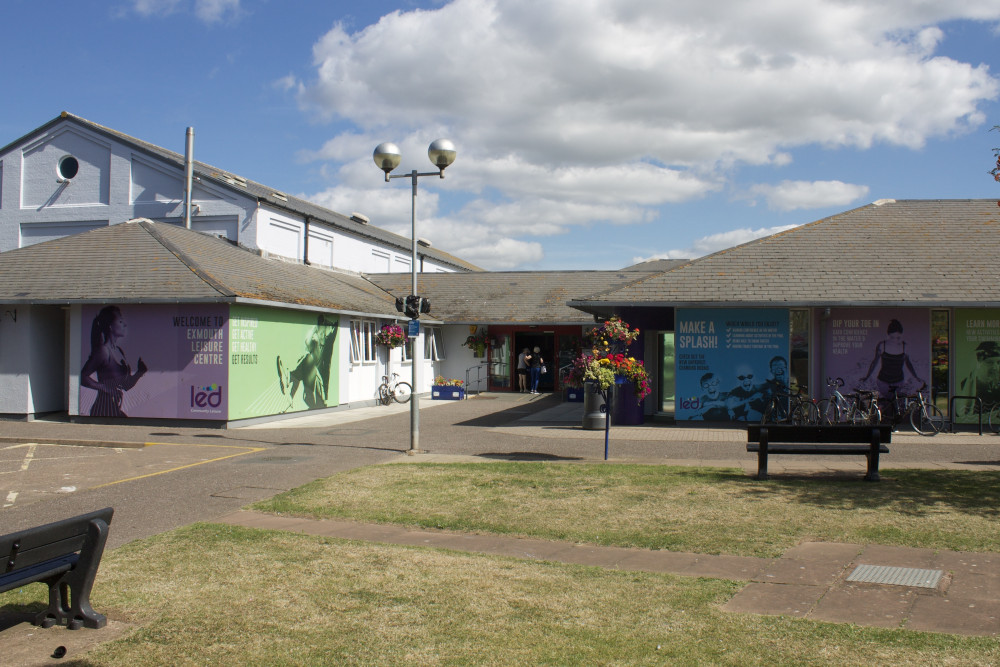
[399, 390]
[925, 417]
[787, 408]
[860, 407]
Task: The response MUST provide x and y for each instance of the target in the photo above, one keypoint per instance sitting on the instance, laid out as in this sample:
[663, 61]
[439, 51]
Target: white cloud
[208, 11]
[213, 11]
[794, 195]
[155, 7]
[584, 112]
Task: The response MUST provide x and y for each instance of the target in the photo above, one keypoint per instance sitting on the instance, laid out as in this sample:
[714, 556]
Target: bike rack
[479, 378]
[951, 411]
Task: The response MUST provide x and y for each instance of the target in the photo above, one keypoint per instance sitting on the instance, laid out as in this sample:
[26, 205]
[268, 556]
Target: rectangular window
[407, 349]
[369, 340]
[381, 262]
[356, 357]
[798, 321]
[940, 326]
[433, 344]
[363, 348]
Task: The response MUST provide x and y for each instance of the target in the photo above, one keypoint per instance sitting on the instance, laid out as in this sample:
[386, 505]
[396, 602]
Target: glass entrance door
[667, 383]
[499, 363]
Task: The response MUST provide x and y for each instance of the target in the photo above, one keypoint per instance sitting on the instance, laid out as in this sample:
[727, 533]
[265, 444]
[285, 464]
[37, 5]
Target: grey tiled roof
[502, 297]
[154, 262]
[907, 252]
[262, 192]
[657, 265]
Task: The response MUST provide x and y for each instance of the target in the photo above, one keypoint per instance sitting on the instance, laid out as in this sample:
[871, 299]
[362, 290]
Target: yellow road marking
[250, 450]
[27, 457]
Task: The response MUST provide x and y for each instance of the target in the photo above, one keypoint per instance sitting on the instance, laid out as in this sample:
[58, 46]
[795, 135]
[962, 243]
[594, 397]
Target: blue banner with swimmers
[730, 362]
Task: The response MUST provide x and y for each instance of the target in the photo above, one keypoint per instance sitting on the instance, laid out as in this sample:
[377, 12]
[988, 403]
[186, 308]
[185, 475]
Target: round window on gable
[68, 167]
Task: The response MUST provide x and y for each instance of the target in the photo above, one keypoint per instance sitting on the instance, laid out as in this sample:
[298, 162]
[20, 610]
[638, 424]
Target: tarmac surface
[159, 477]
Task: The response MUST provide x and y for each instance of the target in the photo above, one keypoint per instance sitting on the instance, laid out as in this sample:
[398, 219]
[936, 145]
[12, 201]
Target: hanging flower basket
[390, 335]
[477, 342]
[606, 363]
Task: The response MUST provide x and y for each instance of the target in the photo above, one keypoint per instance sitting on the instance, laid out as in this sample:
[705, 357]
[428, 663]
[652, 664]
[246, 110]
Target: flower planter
[593, 402]
[627, 412]
[443, 393]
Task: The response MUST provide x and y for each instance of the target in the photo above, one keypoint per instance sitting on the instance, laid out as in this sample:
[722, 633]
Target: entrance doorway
[545, 342]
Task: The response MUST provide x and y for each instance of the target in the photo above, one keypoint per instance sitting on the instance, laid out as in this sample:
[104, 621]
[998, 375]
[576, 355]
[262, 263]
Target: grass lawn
[220, 595]
[214, 594]
[713, 511]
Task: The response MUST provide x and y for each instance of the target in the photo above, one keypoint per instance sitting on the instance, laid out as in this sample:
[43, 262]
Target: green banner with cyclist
[977, 362]
[281, 361]
[730, 362]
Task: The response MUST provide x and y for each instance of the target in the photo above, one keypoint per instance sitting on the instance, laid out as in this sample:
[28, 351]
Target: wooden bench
[65, 555]
[836, 440]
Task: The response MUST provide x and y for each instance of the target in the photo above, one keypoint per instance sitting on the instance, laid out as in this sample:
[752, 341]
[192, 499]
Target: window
[433, 344]
[799, 335]
[363, 341]
[68, 167]
[407, 349]
[380, 262]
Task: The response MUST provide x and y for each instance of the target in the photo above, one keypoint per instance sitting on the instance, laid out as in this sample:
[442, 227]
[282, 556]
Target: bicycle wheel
[823, 411]
[776, 413]
[927, 419]
[805, 414]
[401, 392]
[384, 397]
[995, 418]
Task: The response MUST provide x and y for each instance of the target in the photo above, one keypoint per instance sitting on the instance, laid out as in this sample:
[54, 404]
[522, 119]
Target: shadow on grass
[909, 492]
[528, 456]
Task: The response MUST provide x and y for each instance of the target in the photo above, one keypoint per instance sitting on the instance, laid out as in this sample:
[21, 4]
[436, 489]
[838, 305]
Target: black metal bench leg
[762, 455]
[873, 454]
[69, 594]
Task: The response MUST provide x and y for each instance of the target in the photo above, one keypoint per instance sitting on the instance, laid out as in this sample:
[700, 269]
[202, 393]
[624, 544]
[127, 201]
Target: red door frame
[511, 330]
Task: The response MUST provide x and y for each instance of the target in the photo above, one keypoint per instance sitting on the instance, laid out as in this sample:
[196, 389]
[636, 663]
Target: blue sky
[591, 134]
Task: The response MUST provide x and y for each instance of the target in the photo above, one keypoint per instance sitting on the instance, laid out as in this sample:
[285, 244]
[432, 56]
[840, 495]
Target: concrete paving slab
[595, 556]
[956, 616]
[879, 606]
[965, 561]
[737, 568]
[770, 599]
[815, 571]
[824, 551]
[877, 554]
[659, 561]
[975, 586]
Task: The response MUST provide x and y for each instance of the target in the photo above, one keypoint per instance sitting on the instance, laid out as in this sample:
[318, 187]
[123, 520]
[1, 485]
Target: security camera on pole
[387, 156]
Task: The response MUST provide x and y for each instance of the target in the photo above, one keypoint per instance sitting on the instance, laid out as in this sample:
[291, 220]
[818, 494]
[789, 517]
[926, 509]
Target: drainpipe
[305, 243]
[188, 174]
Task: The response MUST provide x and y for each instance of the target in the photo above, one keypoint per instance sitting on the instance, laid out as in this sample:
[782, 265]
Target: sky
[591, 134]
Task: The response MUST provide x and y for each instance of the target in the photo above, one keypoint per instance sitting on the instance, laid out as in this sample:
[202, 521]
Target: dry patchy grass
[220, 595]
[657, 507]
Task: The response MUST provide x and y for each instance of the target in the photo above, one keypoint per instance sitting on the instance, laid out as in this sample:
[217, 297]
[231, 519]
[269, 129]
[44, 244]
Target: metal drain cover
[896, 576]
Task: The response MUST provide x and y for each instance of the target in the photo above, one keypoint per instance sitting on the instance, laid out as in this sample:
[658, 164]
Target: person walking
[522, 371]
[535, 363]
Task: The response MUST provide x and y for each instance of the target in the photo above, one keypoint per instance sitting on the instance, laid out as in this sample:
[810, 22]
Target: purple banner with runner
[157, 361]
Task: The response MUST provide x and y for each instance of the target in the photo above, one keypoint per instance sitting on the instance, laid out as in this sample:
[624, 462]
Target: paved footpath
[161, 477]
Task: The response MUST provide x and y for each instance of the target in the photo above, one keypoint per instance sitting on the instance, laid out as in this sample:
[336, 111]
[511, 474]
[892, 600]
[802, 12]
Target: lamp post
[387, 156]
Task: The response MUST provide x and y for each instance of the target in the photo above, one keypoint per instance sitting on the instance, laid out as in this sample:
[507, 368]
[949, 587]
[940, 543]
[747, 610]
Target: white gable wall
[115, 183]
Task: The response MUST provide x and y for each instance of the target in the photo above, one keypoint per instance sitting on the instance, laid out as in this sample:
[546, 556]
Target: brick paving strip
[808, 581]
